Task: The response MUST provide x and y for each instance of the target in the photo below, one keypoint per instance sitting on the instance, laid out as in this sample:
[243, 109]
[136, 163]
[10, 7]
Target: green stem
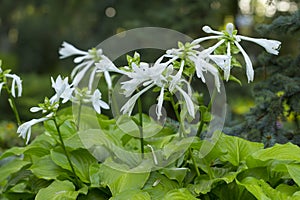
[194, 162]
[200, 128]
[175, 108]
[114, 104]
[13, 106]
[66, 152]
[180, 123]
[213, 97]
[140, 110]
[79, 115]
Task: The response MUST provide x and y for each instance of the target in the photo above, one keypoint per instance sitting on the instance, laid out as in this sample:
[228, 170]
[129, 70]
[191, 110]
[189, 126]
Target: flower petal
[129, 105]
[69, 50]
[1, 85]
[35, 109]
[189, 103]
[24, 129]
[249, 68]
[160, 103]
[271, 46]
[208, 29]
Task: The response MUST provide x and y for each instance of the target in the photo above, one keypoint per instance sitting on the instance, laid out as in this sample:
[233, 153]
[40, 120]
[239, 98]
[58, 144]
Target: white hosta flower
[16, 81]
[202, 65]
[87, 60]
[201, 58]
[249, 68]
[159, 105]
[224, 62]
[62, 88]
[1, 85]
[97, 102]
[24, 129]
[37, 109]
[144, 74]
[175, 84]
[160, 74]
[105, 65]
[271, 46]
[148, 77]
[68, 50]
[129, 105]
[188, 101]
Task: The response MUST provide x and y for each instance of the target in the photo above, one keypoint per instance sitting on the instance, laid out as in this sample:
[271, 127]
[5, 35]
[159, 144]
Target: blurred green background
[32, 31]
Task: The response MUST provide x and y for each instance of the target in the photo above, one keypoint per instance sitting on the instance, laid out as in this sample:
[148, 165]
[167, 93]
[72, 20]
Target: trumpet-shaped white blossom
[105, 65]
[16, 83]
[62, 88]
[145, 75]
[97, 102]
[92, 61]
[87, 60]
[271, 46]
[160, 74]
[24, 129]
[201, 59]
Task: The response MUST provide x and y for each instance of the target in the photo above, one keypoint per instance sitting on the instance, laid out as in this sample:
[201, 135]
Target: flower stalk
[77, 182]
[140, 110]
[14, 108]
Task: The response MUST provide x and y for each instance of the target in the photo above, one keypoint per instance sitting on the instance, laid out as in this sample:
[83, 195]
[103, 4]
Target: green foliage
[243, 169]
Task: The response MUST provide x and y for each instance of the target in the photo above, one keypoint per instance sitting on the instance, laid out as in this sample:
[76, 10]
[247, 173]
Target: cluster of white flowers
[230, 37]
[92, 61]
[144, 76]
[64, 91]
[160, 74]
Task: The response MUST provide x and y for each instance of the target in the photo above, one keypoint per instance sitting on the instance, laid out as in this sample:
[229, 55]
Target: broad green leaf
[67, 129]
[14, 151]
[179, 194]
[39, 147]
[94, 171]
[282, 152]
[177, 174]
[231, 191]
[111, 143]
[74, 142]
[287, 189]
[262, 190]
[58, 190]
[237, 149]
[132, 195]
[45, 168]
[159, 185]
[203, 185]
[206, 183]
[37, 151]
[129, 126]
[80, 158]
[11, 167]
[177, 146]
[119, 181]
[296, 196]
[294, 171]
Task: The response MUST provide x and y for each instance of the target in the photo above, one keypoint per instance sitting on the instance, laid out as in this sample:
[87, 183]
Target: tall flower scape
[169, 78]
